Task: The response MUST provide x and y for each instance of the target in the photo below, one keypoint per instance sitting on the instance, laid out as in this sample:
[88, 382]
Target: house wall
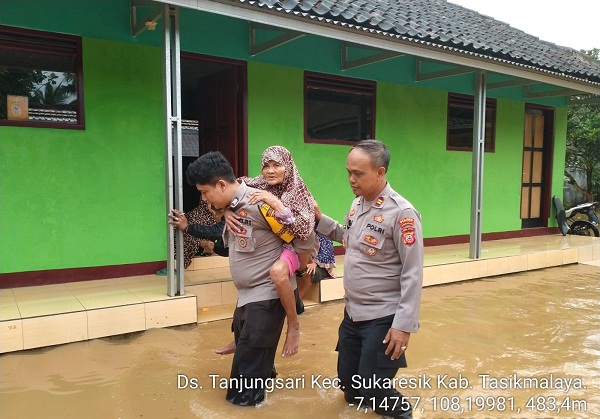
[92, 197]
[96, 197]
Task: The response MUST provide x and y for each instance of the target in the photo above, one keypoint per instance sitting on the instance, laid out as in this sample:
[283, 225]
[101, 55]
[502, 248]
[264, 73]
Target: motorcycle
[569, 225]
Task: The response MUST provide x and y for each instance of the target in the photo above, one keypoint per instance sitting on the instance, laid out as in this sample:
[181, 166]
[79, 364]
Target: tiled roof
[447, 24]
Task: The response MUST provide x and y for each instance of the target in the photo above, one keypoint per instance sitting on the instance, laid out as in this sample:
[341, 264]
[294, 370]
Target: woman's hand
[318, 212]
[178, 219]
[311, 267]
[268, 198]
[232, 222]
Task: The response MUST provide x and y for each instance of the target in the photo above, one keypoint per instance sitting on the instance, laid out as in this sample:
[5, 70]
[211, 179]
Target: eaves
[252, 11]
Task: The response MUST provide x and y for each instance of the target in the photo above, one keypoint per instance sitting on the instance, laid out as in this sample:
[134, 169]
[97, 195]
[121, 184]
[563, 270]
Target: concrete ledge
[58, 328]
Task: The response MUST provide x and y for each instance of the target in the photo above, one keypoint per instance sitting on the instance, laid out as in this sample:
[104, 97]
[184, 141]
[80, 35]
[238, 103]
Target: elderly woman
[285, 192]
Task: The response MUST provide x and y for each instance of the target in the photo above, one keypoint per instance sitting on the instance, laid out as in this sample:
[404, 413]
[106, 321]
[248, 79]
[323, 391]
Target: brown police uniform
[259, 316]
[383, 278]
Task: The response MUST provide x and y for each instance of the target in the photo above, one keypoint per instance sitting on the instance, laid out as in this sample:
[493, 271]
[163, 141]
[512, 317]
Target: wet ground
[524, 345]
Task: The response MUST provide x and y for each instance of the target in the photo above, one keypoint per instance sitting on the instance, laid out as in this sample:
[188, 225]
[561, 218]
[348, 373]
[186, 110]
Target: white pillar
[477, 165]
[172, 100]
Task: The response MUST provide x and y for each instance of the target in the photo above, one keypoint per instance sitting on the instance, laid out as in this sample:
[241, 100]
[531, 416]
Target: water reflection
[538, 328]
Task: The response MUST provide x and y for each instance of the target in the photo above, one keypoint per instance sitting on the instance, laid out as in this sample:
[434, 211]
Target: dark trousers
[256, 328]
[362, 360]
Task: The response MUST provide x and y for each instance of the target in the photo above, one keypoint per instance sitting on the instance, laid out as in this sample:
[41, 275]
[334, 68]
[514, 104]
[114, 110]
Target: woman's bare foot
[292, 341]
[226, 350]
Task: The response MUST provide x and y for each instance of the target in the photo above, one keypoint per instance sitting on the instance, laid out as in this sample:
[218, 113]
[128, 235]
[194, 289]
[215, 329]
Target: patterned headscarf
[199, 215]
[292, 192]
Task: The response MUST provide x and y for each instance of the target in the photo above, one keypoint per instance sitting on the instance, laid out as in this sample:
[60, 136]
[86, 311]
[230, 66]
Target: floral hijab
[292, 192]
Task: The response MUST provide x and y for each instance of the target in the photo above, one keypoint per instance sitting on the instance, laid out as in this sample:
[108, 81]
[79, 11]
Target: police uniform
[383, 278]
[259, 316]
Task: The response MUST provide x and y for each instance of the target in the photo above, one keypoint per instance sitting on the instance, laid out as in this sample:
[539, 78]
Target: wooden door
[218, 124]
[532, 182]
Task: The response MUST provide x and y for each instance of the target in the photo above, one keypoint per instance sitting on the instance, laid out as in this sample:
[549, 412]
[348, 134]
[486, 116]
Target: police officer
[383, 277]
[263, 302]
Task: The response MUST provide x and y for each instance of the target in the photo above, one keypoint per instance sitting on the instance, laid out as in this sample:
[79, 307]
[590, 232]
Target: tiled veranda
[39, 316]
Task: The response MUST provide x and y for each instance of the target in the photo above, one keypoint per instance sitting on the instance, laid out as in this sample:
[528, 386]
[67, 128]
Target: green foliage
[42, 87]
[583, 141]
[52, 94]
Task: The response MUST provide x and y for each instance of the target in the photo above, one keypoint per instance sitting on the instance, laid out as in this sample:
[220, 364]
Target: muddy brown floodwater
[523, 345]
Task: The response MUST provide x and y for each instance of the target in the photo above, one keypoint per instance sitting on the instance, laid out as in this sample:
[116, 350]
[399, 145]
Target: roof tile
[449, 24]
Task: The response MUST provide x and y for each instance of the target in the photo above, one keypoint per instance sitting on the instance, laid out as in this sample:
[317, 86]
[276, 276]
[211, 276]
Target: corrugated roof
[446, 24]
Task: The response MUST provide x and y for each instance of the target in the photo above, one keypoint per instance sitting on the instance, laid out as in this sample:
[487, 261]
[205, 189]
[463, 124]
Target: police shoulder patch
[408, 237]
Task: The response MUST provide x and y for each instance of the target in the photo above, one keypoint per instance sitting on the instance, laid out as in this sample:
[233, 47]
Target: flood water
[524, 345]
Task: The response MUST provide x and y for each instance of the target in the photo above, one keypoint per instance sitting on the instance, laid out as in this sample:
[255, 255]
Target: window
[41, 83]
[338, 109]
[460, 123]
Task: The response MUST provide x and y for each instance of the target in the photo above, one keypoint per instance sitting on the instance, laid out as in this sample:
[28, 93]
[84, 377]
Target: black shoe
[299, 306]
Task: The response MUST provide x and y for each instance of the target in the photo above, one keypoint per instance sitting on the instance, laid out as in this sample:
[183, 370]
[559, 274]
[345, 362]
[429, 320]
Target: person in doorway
[263, 302]
[323, 264]
[203, 232]
[383, 277]
[208, 234]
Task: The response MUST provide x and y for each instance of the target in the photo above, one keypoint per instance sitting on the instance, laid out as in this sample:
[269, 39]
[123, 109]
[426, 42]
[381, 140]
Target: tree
[51, 94]
[583, 142]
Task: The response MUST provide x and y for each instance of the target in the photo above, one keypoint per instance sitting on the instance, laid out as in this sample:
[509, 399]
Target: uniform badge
[379, 202]
[371, 240]
[406, 222]
[242, 242]
[234, 202]
[243, 213]
[378, 218]
[352, 212]
[243, 231]
[370, 251]
[408, 237]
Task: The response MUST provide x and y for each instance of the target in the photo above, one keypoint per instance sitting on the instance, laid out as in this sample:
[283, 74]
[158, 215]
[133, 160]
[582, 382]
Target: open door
[219, 117]
[214, 114]
[536, 174]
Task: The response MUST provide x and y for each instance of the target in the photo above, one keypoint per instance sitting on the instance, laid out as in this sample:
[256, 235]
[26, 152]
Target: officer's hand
[398, 342]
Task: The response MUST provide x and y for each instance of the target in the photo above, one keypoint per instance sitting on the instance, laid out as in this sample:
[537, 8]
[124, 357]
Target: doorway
[213, 93]
[538, 140]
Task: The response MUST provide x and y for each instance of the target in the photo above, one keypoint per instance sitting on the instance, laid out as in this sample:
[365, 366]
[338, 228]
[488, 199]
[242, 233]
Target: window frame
[43, 42]
[338, 84]
[468, 102]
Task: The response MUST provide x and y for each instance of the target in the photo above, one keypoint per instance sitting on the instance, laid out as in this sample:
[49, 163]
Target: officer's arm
[408, 238]
[328, 227]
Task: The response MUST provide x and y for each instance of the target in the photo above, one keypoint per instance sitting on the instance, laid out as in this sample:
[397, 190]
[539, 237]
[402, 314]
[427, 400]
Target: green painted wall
[558, 163]
[276, 117]
[103, 19]
[93, 197]
[413, 123]
[97, 197]
[502, 170]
